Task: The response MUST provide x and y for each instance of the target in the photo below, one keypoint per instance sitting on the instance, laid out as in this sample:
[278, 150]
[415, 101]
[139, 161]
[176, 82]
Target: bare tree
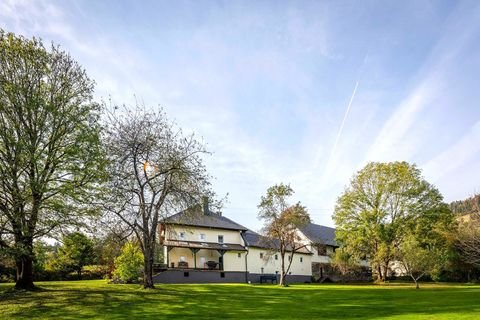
[281, 223]
[50, 155]
[154, 170]
[468, 238]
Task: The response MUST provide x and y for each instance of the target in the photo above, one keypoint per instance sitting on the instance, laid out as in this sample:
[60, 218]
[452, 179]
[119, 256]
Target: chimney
[205, 205]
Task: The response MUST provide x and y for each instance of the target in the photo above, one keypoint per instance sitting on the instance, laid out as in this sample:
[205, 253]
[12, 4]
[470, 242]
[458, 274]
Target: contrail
[328, 164]
[343, 122]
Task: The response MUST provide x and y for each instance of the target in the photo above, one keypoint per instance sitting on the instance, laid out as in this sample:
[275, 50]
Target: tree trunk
[148, 267]
[24, 272]
[385, 271]
[416, 284]
[379, 273]
[282, 274]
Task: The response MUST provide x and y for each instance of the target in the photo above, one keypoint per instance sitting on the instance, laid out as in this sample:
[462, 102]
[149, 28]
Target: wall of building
[173, 232]
[301, 265]
[234, 261]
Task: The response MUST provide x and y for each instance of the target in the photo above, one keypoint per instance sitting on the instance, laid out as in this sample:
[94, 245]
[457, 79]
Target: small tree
[420, 259]
[129, 264]
[343, 261]
[281, 223]
[76, 252]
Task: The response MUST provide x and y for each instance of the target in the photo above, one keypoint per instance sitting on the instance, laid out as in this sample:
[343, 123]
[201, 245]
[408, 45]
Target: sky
[301, 92]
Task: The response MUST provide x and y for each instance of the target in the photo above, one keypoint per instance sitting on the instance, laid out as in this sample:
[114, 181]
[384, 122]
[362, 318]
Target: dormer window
[182, 235]
[220, 239]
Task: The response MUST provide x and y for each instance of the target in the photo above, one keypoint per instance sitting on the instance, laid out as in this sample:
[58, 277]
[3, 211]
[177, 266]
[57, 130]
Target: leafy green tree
[50, 154]
[129, 264]
[382, 205]
[281, 222]
[420, 259]
[76, 252]
[42, 252]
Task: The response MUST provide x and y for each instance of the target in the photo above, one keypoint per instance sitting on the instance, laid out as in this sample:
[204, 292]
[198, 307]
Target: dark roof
[204, 245]
[253, 239]
[196, 217]
[319, 234]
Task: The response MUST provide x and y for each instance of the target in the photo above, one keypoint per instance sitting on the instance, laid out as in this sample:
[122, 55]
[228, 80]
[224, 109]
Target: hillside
[467, 206]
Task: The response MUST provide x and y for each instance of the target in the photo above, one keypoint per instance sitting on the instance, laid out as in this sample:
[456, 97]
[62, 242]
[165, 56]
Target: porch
[191, 255]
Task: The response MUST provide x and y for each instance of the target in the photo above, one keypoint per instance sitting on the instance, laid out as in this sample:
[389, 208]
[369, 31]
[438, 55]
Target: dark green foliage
[75, 253]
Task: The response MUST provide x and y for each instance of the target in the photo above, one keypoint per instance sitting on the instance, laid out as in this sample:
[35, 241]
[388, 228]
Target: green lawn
[98, 300]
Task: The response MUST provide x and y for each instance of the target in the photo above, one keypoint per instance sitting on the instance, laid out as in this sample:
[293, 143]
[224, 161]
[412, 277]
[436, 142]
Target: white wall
[271, 265]
[211, 235]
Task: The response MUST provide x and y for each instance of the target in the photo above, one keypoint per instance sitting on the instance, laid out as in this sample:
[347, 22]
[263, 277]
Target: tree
[154, 171]
[382, 204]
[76, 252]
[129, 264]
[107, 248]
[281, 223]
[343, 261]
[419, 259]
[50, 154]
[468, 234]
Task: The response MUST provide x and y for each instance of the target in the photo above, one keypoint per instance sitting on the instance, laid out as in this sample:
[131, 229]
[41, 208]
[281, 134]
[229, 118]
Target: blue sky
[300, 92]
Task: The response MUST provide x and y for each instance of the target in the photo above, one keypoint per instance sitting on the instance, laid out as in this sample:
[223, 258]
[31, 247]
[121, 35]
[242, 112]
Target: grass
[98, 300]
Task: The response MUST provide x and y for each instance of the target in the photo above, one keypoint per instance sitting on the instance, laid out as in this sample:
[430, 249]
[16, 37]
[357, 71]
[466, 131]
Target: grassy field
[98, 300]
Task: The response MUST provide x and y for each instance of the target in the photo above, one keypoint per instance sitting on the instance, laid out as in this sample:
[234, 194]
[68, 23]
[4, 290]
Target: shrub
[129, 264]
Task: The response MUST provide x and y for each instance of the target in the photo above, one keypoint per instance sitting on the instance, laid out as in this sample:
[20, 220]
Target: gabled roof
[197, 218]
[319, 234]
[253, 239]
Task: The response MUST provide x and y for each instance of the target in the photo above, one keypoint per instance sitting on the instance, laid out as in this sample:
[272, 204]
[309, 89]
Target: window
[202, 236]
[222, 274]
[239, 255]
[182, 235]
[186, 274]
[261, 270]
[261, 255]
[220, 239]
[301, 259]
[182, 259]
[276, 257]
[289, 258]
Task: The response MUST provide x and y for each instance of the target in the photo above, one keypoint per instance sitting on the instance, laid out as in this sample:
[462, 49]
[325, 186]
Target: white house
[204, 246]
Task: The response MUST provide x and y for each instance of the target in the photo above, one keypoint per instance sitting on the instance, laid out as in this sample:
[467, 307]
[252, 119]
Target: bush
[129, 264]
